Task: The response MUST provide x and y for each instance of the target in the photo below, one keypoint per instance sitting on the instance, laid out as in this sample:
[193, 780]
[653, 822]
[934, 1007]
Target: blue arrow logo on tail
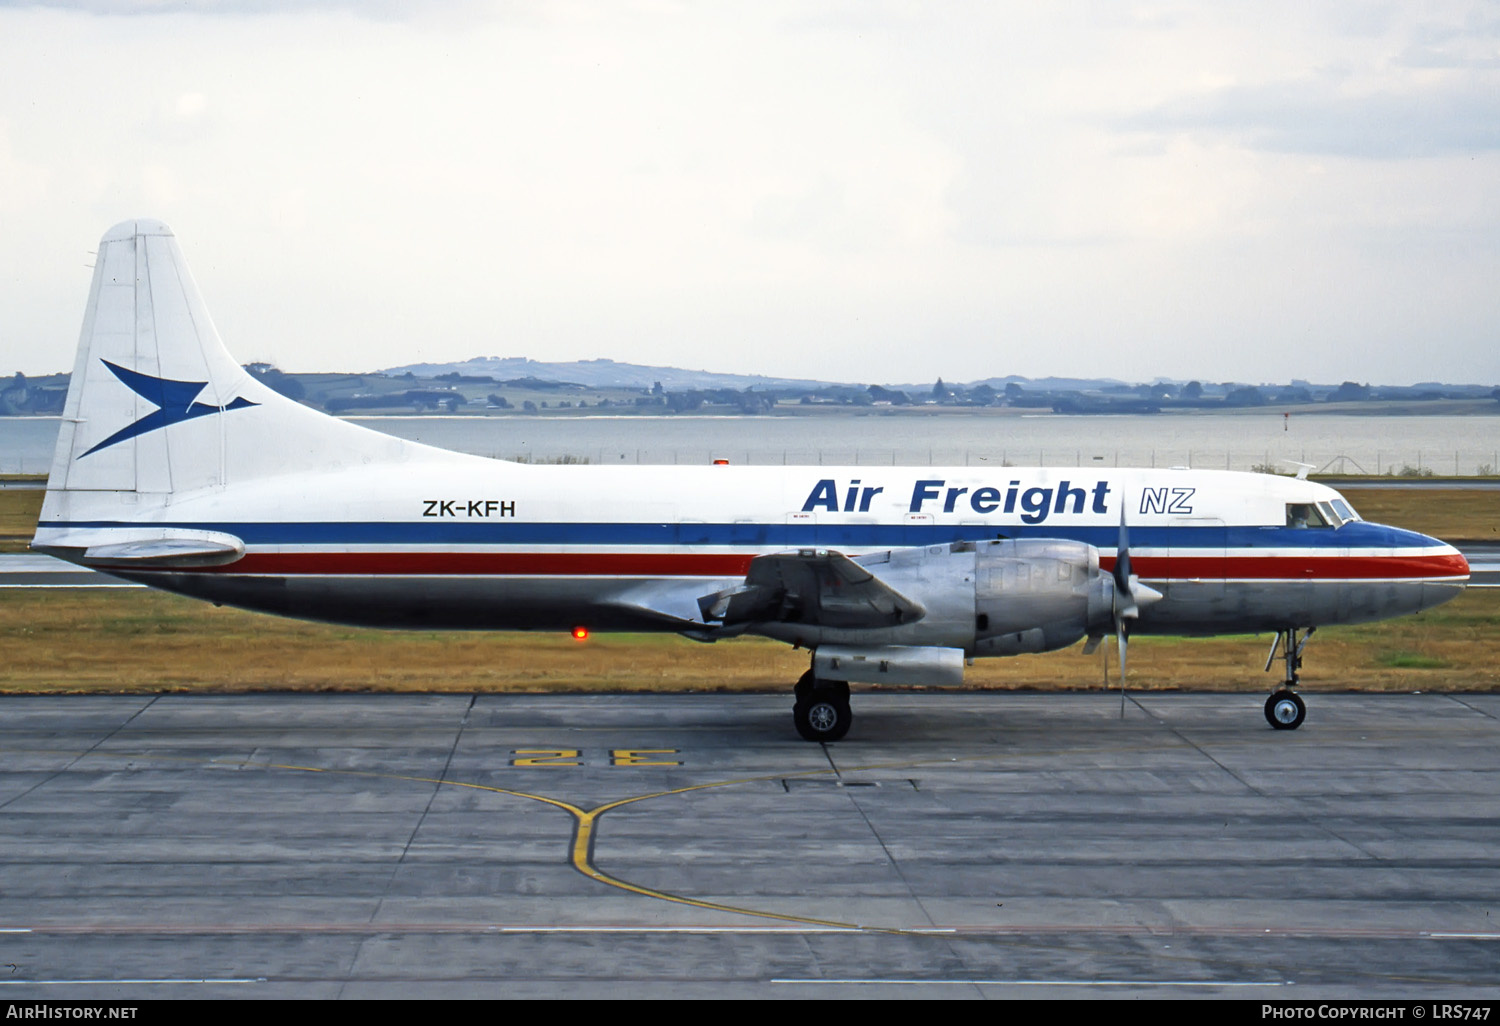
[174, 399]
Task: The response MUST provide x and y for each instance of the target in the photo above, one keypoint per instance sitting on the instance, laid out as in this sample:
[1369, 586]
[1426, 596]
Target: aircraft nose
[1447, 560]
[1444, 573]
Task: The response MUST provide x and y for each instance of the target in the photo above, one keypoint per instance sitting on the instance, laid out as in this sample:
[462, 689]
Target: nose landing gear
[1285, 709]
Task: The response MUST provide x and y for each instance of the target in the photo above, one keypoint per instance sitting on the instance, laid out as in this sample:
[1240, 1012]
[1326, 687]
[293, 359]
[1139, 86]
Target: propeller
[1130, 596]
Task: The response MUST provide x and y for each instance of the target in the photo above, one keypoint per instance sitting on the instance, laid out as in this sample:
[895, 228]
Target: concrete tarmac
[955, 845]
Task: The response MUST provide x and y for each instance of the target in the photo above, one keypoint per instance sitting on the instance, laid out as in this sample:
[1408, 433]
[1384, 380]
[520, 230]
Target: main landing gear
[822, 710]
[1285, 709]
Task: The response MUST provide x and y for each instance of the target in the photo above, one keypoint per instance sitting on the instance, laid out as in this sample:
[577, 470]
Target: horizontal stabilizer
[161, 554]
[143, 548]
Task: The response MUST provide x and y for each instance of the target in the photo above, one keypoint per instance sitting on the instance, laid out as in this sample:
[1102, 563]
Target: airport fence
[1415, 463]
[1382, 463]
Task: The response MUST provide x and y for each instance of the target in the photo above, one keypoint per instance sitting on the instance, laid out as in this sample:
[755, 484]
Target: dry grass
[1453, 514]
[19, 508]
[95, 640]
[107, 641]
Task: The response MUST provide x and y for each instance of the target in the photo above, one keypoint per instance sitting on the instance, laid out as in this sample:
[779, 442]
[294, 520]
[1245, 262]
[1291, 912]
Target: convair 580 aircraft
[177, 469]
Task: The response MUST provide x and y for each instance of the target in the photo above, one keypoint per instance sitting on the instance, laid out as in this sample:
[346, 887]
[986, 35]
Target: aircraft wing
[817, 587]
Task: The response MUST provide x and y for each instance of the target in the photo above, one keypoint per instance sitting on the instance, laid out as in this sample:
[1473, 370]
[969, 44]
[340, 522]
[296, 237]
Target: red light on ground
[580, 633]
[721, 463]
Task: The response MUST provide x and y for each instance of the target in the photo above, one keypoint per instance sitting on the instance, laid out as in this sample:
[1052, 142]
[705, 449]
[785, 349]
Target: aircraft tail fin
[157, 408]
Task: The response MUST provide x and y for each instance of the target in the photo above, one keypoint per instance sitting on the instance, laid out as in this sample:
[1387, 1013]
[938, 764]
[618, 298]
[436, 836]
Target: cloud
[373, 10]
[1314, 117]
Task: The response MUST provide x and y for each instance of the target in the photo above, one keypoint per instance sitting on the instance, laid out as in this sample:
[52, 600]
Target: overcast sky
[859, 191]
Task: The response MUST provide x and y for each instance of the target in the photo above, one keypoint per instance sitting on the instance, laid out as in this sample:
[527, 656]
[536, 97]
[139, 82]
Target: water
[1329, 443]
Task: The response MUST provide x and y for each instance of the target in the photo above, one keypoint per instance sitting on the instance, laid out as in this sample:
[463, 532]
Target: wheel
[823, 716]
[1285, 711]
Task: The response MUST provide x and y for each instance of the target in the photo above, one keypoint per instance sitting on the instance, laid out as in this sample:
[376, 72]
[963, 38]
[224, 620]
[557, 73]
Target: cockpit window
[1344, 510]
[1305, 514]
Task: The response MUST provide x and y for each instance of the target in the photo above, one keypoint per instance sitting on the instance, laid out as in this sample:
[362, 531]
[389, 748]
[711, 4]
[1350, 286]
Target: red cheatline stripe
[660, 564]
[585, 564]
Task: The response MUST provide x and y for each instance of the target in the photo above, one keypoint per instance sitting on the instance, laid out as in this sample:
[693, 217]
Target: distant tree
[656, 389]
[1192, 390]
[939, 390]
[1349, 392]
[528, 406]
[499, 402]
[1247, 395]
[684, 402]
[889, 395]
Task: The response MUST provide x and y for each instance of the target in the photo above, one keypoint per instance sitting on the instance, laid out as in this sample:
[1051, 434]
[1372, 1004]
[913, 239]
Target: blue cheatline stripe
[1353, 536]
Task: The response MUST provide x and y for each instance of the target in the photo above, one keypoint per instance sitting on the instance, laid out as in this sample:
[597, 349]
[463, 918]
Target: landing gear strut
[821, 712]
[1285, 709]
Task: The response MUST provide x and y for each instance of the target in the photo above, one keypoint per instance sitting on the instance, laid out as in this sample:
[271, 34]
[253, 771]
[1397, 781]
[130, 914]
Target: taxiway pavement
[955, 845]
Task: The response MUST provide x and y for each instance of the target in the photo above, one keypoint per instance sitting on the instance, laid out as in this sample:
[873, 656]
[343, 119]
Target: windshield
[1344, 510]
[1305, 514]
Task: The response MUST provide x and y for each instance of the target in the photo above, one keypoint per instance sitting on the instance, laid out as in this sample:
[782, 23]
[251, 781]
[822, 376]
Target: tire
[807, 684]
[823, 716]
[1285, 710]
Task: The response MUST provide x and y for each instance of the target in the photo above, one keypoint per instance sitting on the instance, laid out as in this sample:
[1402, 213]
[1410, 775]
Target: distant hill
[1033, 384]
[601, 374]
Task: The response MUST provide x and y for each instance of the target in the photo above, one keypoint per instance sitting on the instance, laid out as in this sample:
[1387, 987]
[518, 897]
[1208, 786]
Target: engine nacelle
[990, 598]
[1037, 595]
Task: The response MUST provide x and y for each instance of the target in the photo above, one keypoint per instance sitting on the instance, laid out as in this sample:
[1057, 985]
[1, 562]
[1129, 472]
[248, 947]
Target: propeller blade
[1130, 595]
[1120, 642]
[1122, 555]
